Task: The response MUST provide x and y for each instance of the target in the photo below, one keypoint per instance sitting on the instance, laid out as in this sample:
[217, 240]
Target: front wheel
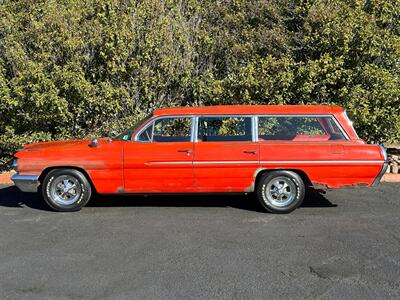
[280, 191]
[66, 190]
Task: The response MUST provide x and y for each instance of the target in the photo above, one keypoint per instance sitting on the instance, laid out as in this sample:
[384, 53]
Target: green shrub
[70, 69]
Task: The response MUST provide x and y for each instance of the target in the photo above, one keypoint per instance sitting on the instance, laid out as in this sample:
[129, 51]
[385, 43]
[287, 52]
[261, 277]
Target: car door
[226, 157]
[160, 159]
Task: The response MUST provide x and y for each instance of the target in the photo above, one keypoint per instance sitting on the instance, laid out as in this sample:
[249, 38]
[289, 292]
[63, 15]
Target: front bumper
[26, 183]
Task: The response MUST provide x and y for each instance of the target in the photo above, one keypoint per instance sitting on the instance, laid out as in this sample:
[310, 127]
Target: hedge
[73, 68]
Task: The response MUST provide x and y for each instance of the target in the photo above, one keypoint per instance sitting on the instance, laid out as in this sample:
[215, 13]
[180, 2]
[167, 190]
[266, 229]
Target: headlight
[15, 165]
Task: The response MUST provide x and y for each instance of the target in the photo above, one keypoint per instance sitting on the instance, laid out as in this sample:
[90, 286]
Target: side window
[168, 130]
[298, 129]
[219, 129]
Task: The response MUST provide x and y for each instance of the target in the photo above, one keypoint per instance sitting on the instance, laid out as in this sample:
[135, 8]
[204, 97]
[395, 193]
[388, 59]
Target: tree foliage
[71, 68]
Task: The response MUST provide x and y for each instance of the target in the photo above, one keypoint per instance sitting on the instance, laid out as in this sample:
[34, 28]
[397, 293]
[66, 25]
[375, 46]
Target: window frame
[254, 137]
[332, 117]
[254, 125]
[152, 122]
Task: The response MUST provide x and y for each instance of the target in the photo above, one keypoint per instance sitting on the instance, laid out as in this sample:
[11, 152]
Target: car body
[214, 149]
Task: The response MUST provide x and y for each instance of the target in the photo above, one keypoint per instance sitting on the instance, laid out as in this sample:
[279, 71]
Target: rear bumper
[26, 183]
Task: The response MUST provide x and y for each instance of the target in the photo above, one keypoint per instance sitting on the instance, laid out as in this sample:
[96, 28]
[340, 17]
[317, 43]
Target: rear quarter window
[310, 128]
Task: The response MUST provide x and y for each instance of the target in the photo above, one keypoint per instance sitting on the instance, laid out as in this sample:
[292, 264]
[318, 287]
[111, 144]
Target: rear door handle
[250, 151]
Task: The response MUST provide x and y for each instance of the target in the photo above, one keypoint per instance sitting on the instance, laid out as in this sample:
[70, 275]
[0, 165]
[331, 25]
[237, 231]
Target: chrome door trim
[254, 118]
[288, 162]
[274, 162]
[350, 123]
[195, 129]
[254, 129]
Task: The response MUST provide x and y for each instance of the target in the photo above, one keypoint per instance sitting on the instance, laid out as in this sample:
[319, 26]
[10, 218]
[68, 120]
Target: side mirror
[94, 143]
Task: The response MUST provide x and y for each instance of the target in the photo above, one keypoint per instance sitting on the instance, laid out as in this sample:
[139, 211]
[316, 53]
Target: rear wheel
[280, 191]
[66, 190]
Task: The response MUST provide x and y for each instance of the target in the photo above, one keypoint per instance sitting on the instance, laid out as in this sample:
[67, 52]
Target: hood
[61, 145]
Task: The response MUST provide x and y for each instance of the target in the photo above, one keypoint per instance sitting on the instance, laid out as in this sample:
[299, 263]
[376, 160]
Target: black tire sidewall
[292, 176]
[85, 187]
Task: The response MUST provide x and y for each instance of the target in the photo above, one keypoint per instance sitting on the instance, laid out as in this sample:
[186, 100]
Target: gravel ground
[344, 244]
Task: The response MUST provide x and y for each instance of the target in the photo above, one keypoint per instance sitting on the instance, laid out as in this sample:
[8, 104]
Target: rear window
[221, 129]
[298, 129]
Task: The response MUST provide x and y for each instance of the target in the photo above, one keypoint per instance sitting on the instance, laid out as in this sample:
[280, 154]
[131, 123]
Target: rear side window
[221, 129]
[299, 129]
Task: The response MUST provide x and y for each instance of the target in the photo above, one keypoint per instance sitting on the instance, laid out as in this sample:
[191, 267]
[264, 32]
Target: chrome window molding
[195, 129]
[350, 123]
[340, 128]
[272, 162]
[255, 118]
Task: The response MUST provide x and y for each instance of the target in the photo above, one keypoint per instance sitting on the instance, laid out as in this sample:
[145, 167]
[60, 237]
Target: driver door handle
[185, 150]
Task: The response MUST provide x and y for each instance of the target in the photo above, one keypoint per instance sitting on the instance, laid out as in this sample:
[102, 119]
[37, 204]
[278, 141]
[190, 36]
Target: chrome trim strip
[385, 165]
[193, 129]
[196, 128]
[267, 162]
[26, 183]
[254, 117]
[254, 129]
[350, 123]
[324, 162]
[340, 128]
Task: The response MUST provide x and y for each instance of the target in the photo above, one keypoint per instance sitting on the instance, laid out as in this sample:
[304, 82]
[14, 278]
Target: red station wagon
[277, 152]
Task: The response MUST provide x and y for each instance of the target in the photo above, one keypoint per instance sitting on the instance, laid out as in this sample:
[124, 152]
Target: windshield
[126, 135]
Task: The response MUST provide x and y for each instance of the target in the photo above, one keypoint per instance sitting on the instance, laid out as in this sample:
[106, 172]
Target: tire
[66, 190]
[280, 191]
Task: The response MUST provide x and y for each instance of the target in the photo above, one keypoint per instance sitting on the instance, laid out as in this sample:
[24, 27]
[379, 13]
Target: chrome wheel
[281, 191]
[65, 190]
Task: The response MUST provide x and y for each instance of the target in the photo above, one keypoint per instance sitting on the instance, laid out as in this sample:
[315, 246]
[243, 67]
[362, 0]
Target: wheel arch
[303, 175]
[83, 171]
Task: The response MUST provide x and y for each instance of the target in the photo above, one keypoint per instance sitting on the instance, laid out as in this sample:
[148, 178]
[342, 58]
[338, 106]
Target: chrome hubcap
[280, 191]
[65, 190]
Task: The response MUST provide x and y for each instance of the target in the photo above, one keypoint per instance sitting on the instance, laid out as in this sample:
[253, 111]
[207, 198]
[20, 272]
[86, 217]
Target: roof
[249, 109]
